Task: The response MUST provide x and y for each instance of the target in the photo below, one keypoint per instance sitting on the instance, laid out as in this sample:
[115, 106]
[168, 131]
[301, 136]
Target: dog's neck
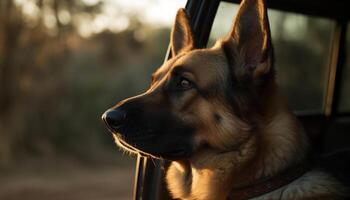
[278, 143]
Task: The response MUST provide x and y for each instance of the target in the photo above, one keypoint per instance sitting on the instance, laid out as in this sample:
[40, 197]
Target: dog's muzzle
[114, 119]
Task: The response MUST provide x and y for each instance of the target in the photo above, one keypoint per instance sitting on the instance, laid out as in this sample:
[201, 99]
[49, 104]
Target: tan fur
[215, 174]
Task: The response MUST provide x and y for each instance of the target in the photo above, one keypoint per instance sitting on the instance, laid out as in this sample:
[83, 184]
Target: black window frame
[149, 175]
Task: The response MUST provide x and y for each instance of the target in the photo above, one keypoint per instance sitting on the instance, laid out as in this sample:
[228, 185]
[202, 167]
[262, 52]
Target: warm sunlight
[82, 117]
[114, 16]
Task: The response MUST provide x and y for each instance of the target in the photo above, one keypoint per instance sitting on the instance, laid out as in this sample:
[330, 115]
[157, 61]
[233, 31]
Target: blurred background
[64, 62]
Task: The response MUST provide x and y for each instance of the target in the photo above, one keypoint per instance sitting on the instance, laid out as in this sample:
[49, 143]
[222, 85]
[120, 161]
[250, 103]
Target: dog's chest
[196, 184]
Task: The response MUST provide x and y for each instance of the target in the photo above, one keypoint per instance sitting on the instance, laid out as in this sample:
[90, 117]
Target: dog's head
[201, 98]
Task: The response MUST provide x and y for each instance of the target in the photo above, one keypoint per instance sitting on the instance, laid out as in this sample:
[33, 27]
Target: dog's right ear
[251, 36]
[181, 36]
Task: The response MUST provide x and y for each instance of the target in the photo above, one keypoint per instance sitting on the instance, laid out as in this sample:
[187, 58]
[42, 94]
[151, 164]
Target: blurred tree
[25, 50]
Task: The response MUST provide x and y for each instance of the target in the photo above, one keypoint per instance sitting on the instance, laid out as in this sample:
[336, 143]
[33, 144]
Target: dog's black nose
[114, 118]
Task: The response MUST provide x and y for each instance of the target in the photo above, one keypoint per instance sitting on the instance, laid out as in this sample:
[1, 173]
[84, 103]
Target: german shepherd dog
[218, 116]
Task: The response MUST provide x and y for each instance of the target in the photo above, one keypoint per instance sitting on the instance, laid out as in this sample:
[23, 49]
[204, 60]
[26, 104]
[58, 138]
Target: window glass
[344, 104]
[301, 46]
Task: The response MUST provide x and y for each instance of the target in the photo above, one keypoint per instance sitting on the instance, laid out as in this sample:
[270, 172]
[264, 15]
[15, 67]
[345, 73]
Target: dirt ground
[73, 182]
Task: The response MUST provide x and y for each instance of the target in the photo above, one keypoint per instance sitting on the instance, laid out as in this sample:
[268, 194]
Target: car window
[301, 45]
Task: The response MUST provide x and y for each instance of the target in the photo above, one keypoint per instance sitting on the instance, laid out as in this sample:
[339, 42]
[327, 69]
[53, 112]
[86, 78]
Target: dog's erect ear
[181, 35]
[251, 34]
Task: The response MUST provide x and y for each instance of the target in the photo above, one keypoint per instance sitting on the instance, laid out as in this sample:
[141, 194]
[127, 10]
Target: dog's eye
[184, 84]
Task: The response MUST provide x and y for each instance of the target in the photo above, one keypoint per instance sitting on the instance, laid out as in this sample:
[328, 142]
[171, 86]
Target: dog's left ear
[251, 35]
[181, 36]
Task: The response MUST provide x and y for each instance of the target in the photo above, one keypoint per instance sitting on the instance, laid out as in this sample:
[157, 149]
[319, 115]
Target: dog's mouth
[128, 147]
[131, 146]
